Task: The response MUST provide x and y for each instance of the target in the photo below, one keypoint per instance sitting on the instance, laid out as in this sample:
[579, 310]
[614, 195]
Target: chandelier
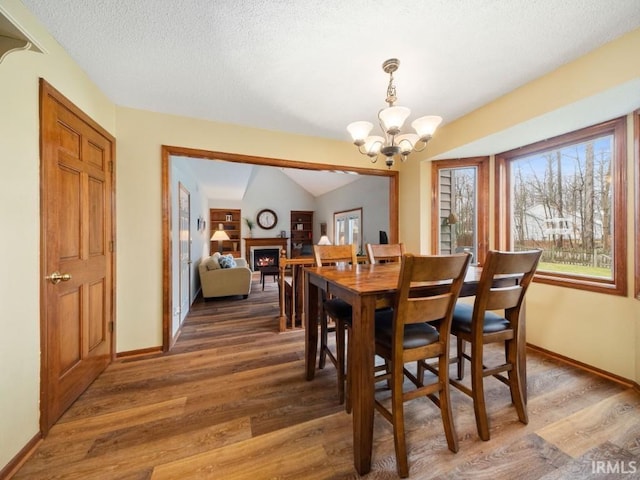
[391, 119]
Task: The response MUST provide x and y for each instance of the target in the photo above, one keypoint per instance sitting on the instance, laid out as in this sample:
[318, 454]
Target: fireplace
[265, 257]
[252, 244]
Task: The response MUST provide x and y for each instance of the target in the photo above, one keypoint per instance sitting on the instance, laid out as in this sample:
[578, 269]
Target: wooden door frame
[169, 151]
[48, 89]
[183, 188]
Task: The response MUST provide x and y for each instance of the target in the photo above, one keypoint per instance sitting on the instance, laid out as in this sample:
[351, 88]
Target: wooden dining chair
[376, 253]
[479, 325]
[384, 252]
[405, 335]
[334, 309]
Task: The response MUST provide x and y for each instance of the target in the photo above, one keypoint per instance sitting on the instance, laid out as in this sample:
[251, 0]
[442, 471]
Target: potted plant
[250, 224]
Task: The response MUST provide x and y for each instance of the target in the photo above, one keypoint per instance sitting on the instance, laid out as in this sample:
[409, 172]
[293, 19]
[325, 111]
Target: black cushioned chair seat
[339, 309]
[415, 334]
[462, 320]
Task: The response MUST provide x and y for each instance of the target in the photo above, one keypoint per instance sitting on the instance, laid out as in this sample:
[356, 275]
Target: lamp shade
[373, 144]
[359, 131]
[406, 142]
[425, 126]
[324, 240]
[393, 118]
[220, 235]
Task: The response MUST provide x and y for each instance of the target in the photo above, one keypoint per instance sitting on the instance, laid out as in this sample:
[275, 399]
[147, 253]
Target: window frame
[617, 127]
[482, 208]
[636, 163]
[346, 215]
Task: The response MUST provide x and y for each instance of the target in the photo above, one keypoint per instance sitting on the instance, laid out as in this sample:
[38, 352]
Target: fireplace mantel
[262, 242]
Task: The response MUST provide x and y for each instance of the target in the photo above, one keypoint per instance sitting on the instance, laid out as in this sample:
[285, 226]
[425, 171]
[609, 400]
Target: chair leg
[324, 338]
[445, 405]
[477, 388]
[340, 368]
[515, 381]
[507, 362]
[460, 345]
[397, 413]
[348, 373]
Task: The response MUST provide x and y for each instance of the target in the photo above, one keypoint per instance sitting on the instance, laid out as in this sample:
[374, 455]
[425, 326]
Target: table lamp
[324, 240]
[220, 235]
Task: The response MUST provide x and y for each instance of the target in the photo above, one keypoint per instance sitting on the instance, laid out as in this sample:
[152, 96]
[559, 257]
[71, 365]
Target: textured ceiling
[312, 67]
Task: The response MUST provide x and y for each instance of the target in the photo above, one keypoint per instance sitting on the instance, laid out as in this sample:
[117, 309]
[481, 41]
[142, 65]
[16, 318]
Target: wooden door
[77, 289]
[184, 251]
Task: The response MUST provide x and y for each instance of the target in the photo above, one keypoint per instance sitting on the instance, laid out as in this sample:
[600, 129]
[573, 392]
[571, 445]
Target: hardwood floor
[230, 402]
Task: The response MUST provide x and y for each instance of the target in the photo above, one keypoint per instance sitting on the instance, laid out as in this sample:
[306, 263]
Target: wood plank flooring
[230, 402]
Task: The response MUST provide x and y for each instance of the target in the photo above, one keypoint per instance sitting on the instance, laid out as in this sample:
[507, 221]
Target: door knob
[57, 277]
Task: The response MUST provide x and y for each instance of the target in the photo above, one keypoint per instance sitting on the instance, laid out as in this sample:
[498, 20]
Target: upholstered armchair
[221, 277]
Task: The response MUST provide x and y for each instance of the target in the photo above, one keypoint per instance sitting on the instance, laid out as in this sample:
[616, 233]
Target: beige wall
[140, 135]
[20, 217]
[555, 314]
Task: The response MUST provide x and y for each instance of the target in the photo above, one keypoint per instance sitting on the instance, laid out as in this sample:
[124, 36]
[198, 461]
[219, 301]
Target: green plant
[250, 223]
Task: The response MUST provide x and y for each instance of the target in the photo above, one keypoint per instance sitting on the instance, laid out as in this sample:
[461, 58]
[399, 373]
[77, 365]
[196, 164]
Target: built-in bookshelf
[301, 236]
[228, 220]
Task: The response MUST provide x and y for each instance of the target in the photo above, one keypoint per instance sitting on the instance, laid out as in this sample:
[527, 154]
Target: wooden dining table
[365, 287]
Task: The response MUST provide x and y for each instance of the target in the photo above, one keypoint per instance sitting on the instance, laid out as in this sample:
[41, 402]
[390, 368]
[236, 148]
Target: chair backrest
[427, 305]
[448, 271]
[382, 253]
[332, 254]
[493, 296]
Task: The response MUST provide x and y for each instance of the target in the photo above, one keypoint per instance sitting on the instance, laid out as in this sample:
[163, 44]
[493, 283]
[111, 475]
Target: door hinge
[110, 327]
[111, 167]
[111, 246]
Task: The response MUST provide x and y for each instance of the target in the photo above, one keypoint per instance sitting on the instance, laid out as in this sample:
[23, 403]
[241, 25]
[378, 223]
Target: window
[460, 206]
[348, 228]
[567, 195]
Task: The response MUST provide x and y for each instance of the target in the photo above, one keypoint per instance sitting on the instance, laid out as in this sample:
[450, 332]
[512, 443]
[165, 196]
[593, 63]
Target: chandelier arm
[415, 147]
[373, 158]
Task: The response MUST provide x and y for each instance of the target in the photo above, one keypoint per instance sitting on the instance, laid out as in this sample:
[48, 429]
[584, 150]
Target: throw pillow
[212, 262]
[227, 261]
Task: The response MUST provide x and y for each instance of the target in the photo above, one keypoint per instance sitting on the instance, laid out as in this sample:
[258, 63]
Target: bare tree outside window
[566, 195]
[460, 206]
[561, 203]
